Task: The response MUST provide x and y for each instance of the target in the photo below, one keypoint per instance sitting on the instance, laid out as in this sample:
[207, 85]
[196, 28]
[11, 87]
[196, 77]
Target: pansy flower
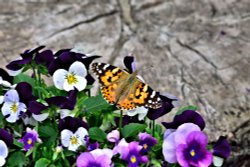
[146, 141]
[97, 157]
[113, 136]
[187, 146]
[15, 67]
[140, 111]
[29, 139]
[12, 107]
[6, 140]
[221, 151]
[73, 132]
[131, 153]
[36, 109]
[65, 58]
[5, 79]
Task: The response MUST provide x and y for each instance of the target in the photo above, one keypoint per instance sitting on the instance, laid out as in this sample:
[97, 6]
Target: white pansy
[12, 108]
[73, 78]
[141, 111]
[217, 161]
[73, 140]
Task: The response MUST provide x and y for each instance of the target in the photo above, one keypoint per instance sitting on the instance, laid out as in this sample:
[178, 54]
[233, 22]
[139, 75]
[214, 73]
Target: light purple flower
[71, 79]
[130, 152]
[113, 136]
[73, 140]
[146, 141]
[12, 107]
[6, 140]
[187, 146]
[97, 157]
[29, 139]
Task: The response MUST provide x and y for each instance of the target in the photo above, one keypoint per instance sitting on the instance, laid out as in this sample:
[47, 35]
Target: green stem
[120, 121]
[153, 127]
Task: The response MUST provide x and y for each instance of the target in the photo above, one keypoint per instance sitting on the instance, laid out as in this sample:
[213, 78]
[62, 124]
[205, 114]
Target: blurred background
[199, 50]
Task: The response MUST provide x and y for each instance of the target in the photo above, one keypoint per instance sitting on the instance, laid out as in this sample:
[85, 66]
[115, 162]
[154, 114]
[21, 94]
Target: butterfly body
[123, 89]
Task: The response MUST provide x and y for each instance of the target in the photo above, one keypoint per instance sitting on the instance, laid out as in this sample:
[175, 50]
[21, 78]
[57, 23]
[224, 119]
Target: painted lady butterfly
[123, 89]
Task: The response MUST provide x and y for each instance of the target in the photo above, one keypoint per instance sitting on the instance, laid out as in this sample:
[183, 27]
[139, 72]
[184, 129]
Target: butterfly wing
[110, 78]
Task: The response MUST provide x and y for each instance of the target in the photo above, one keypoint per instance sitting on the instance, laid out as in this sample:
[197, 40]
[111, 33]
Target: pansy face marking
[123, 89]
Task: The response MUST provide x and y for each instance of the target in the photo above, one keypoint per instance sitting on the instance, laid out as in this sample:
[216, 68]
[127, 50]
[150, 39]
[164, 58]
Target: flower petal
[12, 118]
[11, 96]
[65, 137]
[222, 148]
[6, 108]
[3, 149]
[67, 87]
[81, 83]
[180, 154]
[217, 161]
[59, 78]
[84, 159]
[207, 160]
[168, 147]
[2, 161]
[78, 69]
[40, 117]
[129, 62]
[81, 132]
[183, 131]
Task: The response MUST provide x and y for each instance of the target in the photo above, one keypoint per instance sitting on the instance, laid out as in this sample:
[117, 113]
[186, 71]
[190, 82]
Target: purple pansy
[16, 66]
[187, 146]
[12, 107]
[6, 140]
[95, 158]
[130, 152]
[45, 57]
[5, 79]
[73, 132]
[29, 139]
[36, 109]
[129, 62]
[194, 151]
[146, 141]
[221, 148]
[187, 116]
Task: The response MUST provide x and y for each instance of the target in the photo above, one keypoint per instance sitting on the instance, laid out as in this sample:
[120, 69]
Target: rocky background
[199, 49]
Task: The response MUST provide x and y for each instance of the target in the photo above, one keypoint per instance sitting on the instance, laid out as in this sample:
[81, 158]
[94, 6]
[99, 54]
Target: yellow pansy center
[192, 153]
[29, 141]
[133, 159]
[145, 146]
[14, 108]
[74, 140]
[71, 79]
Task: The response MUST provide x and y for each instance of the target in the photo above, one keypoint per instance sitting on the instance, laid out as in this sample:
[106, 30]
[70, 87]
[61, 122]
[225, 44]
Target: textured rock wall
[199, 49]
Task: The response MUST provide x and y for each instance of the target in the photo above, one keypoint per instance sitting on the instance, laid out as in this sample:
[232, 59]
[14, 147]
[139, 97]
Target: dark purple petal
[146, 141]
[24, 90]
[36, 107]
[5, 76]
[71, 124]
[56, 100]
[71, 101]
[127, 119]
[166, 107]
[129, 63]
[222, 148]
[188, 116]
[92, 146]
[90, 79]
[6, 137]
[29, 53]
[45, 57]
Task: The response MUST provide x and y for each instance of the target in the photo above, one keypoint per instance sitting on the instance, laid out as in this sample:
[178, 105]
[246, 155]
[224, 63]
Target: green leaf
[132, 129]
[95, 103]
[42, 162]
[46, 131]
[16, 159]
[18, 144]
[97, 134]
[194, 108]
[24, 78]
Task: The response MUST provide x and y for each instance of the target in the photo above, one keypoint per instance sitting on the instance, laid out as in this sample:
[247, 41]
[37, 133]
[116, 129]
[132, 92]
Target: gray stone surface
[199, 50]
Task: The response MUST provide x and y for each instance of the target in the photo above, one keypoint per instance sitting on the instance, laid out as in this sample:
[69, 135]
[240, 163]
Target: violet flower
[29, 139]
[15, 67]
[95, 158]
[130, 152]
[73, 133]
[187, 146]
[146, 141]
[6, 140]
[12, 107]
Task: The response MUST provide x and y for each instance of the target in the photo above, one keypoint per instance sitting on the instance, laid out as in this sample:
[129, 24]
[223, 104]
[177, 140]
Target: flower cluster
[63, 124]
